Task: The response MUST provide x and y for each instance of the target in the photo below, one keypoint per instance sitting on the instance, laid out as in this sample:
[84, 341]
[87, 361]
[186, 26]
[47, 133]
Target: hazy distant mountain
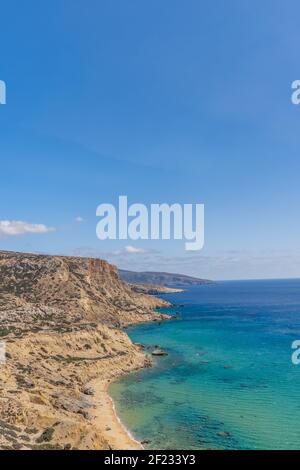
[160, 278]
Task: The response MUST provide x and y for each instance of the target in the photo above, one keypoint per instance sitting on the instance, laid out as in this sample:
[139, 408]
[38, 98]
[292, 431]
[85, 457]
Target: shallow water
[228, 381]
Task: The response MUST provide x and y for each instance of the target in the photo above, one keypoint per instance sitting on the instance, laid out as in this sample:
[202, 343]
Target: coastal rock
[146, 441]
[159, 352]
[154, 290]
[148, 362]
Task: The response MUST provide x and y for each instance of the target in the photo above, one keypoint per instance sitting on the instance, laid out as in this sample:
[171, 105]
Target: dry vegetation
[61, 319]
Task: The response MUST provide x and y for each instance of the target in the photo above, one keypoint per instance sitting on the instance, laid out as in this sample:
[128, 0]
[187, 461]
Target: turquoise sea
[228, 381]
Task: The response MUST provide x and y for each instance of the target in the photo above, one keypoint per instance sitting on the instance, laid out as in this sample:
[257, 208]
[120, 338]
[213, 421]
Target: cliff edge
[61, 324]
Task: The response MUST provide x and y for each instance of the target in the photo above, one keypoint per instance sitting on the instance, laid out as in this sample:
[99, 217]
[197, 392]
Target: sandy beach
[107, 421]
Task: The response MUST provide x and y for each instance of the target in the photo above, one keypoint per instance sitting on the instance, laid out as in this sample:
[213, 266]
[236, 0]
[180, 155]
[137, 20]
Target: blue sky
[162, 101]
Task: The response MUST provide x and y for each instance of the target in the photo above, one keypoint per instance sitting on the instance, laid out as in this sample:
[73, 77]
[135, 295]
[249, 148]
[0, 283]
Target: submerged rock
[147, 362]
[224, 434]
[146, 441]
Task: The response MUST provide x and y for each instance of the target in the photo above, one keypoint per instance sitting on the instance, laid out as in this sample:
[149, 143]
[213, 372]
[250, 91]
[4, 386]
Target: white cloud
[79, 220]
[122, 253]
[128, 250]
[134, 249]
[9, 228]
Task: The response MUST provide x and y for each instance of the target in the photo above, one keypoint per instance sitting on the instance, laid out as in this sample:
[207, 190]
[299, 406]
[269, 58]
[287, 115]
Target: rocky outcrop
[152, 289]
[43, 386]
[56, 291]
[159, 352]
[161, 278]
[61, 320]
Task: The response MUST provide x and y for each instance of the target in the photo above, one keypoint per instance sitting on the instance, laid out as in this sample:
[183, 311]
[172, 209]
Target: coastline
[64, 332]
[107, 420]
[105, 416]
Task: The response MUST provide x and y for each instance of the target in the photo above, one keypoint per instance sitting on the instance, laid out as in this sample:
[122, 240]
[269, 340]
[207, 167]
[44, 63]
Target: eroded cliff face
[60, 319]
[60, 291]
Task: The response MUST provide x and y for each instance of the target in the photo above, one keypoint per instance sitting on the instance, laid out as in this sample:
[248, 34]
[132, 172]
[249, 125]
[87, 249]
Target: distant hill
[160, 278]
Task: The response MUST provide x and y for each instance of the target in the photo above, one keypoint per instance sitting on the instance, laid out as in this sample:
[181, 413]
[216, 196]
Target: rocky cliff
[61, 321]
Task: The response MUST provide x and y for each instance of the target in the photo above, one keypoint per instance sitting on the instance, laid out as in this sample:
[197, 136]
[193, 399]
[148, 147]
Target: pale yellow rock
[61, 320]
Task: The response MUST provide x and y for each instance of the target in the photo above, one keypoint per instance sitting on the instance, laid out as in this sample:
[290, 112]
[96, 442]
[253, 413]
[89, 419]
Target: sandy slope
[61, 319]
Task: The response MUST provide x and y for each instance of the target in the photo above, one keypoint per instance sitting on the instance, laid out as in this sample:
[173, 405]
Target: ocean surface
[228, 381]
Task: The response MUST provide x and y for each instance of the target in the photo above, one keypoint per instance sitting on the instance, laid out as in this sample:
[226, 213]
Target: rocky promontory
[61, 321]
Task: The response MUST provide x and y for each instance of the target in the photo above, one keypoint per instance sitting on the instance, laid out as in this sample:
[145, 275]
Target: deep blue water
[228, 380]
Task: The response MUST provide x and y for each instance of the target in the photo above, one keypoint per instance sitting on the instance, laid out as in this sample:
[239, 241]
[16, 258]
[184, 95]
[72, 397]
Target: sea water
[228, 381]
